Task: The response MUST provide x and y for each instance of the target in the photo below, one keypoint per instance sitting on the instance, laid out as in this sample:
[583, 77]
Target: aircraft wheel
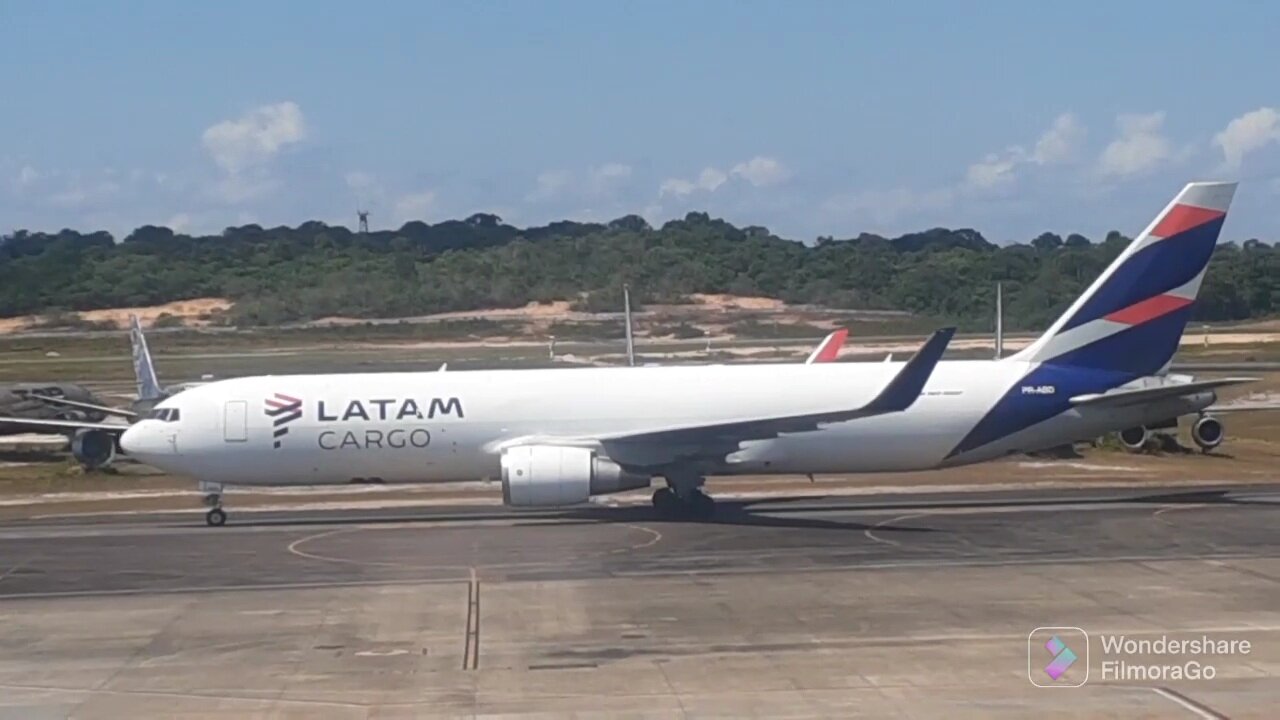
[215, 518]
[665, 501]
[701, 505]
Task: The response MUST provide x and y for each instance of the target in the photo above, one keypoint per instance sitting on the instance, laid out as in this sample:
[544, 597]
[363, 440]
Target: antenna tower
[364, 219]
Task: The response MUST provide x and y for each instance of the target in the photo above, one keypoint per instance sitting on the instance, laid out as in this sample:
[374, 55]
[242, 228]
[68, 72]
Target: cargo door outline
[235, 421]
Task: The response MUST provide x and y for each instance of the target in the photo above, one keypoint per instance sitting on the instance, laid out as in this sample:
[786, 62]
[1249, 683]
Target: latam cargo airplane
[560, 436]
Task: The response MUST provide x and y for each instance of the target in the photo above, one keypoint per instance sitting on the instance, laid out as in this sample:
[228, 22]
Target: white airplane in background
[93, 443]
[560, 436]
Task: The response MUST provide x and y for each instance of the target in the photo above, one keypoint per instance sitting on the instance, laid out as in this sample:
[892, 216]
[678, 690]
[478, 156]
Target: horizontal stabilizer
[1135, 396]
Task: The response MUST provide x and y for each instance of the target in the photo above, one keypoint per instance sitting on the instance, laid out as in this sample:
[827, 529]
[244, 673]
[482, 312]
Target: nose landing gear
[216, 517]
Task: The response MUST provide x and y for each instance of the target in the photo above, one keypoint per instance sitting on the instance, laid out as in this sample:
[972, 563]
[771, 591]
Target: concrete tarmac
[881, 606]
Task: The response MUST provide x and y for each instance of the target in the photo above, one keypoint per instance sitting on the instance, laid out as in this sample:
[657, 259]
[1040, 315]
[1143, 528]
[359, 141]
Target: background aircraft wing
[1135, 396]
[62, 426]
[714, 440]
[105, 409]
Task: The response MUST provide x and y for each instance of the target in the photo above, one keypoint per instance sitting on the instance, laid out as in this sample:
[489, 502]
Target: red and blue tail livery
[1126, 326]
[1131, 319]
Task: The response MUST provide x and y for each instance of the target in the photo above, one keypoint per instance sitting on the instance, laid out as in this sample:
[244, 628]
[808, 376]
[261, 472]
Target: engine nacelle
[1208, 432]
[1134, 438]
[551, 475]
[93, 448]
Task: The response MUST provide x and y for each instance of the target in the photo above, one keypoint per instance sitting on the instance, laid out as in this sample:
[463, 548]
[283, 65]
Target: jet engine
[93, 448]
[1207, 432]
[1134, 438]
[550, 475]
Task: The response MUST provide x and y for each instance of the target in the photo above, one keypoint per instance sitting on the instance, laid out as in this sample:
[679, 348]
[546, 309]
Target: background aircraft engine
[93, 448]
[1208, 432]
[550, 475]
[1134, 438]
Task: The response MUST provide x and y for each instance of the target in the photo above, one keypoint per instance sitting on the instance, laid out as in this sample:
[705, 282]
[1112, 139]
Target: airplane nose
[131, 441]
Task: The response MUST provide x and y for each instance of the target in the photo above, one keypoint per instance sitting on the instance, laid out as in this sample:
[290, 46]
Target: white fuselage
[450, 426]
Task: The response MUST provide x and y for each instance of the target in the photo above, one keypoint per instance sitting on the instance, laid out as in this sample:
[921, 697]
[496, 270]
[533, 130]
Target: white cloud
[85, 190]
[1140, 147]
[592, 184]
[608, 173]
[994, 169]
[761, 171]
[1248, 133]
[415, 206]
[26, 176]
[676, 186]
[709, 180]
[255, 137]
[550, 184]
[178, 223]
[878, 210]
[1058, 144]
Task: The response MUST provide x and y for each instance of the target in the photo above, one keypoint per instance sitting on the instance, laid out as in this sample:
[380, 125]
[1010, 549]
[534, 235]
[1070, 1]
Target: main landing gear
[216, 517]
[683, 498]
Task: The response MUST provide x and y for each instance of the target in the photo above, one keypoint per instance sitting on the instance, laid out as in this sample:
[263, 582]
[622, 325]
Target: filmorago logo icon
[1058, 657]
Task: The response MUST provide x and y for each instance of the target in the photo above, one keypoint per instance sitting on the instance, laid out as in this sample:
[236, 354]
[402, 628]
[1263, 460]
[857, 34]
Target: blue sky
[812, 118]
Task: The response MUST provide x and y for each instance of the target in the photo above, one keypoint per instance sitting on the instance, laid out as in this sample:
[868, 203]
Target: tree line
[280, 275]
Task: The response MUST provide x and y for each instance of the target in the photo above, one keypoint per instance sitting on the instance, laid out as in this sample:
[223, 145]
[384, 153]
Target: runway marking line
[883, 525]
[293, 547]
[11, 570]
[1159, 514]
[1200, 709]
[653, 540]
[471, 640]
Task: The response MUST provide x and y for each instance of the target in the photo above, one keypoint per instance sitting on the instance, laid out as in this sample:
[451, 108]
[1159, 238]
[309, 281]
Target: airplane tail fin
[143, 370]
[829, 349]
[1131, 318]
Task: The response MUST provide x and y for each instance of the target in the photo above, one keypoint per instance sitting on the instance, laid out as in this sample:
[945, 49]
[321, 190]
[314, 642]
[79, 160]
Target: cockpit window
[164, 414]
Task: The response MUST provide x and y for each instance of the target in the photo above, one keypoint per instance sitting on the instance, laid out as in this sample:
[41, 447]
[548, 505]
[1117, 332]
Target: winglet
[906, 386]
[829, 348]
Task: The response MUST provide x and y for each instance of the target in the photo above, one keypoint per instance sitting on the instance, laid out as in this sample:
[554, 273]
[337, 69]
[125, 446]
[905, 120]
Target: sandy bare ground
[189, 310]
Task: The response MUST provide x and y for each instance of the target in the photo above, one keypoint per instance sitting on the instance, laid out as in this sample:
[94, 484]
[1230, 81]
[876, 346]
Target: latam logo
[282, 409]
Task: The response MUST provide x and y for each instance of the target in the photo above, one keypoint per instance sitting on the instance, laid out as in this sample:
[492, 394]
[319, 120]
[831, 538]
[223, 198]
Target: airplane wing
[61, 426]
[105, 409]
[829, 348]
[715, 440]
[1136, 396]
